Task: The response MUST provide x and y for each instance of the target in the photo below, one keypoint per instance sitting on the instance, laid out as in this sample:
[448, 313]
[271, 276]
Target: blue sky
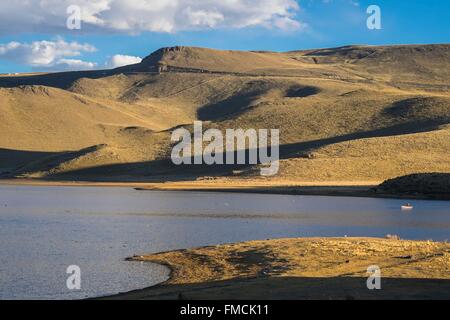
[314, 24]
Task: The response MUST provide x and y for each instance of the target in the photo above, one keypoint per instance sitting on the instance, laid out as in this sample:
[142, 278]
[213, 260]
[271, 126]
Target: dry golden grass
[304, 268]
[345, 114]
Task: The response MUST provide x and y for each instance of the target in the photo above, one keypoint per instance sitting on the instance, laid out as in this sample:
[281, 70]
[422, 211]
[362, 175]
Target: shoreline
[300, 268]
[331, 191]
[332, 188]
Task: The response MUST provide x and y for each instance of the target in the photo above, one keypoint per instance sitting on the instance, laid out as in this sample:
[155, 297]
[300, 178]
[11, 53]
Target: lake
[43, 230]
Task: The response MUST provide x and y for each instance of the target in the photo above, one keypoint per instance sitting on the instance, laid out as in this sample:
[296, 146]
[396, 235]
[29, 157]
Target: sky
[59, 35]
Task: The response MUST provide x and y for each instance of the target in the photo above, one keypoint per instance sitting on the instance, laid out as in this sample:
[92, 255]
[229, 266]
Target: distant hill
[352, 113]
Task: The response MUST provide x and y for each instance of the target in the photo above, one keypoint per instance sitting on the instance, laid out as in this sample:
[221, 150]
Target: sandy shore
[304, 268]
[193, 184]
[317, 188]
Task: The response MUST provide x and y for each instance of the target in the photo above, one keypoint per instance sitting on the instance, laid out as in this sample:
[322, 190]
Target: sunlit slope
[419, 66]
[350, 113]
[48, 119]
[42, 128]
[218, 61]
[372, 159]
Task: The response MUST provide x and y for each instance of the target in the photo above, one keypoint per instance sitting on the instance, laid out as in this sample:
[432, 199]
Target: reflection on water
[45, 229]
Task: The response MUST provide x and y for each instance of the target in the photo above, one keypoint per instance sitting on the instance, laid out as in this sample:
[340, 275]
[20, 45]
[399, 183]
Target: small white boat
[407, 207]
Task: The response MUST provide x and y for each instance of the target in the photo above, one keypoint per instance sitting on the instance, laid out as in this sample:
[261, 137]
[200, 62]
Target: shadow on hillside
[243, 101]
[12, 160]
[165, 170]
[62, 80]
[15, 162]
[227, 108]
[302, 91]
[297, 288]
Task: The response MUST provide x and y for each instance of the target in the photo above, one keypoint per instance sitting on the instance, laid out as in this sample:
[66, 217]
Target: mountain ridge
[361, 97]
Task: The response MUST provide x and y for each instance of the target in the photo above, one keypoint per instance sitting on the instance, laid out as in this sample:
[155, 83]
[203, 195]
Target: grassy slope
[353, 113]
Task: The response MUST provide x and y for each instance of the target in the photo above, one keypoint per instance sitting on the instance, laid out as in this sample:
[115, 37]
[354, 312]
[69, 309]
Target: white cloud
[58, 56]
[120, 60]
[205, 18]
[72, 64]
[287, 24]
[47, 55]
[134, 16]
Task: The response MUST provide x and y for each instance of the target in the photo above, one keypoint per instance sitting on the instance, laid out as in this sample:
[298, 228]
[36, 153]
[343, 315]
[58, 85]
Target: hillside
[429, 185]
[353, 113]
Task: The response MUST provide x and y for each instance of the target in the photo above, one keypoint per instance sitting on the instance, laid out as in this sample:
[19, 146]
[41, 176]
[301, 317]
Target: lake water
[43, 230]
